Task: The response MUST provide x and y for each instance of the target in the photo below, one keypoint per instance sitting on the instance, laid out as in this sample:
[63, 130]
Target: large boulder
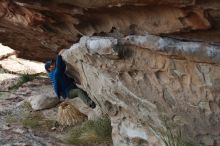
[43, 97]
[152, 87]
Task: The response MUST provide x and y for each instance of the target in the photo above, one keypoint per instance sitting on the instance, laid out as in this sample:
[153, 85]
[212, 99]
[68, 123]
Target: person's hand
[61, 51]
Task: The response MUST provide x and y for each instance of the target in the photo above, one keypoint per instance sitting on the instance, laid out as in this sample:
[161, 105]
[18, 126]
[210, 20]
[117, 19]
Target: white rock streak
[134, 132]
[101, 45]
[195, 51]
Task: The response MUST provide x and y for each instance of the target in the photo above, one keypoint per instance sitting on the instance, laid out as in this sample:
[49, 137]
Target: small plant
[25, 107]
[91, 132]
[35, 120]
[30, 122]
[26, 77]
[15, 116]
[170, 134]
[174, 140]
[23, 79]
[10, 119]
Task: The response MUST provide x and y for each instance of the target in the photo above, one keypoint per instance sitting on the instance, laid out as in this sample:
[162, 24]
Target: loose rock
[40, 102]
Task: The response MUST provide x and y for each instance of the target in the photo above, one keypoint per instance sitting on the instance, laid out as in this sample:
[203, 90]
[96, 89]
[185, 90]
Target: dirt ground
[19, 125]
[14, 131]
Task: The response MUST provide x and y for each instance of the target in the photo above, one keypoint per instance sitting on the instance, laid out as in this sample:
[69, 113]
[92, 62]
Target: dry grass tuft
[68, 115]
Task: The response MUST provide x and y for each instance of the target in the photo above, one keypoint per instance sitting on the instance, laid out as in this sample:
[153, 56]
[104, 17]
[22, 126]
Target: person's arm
[61, 51]
[55, 82]
[58, 73]
[60, 65]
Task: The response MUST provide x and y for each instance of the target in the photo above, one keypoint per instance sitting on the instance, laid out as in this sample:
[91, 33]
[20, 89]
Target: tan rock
[5, 51]
[22, 66]
[43, 101]
[154, 84]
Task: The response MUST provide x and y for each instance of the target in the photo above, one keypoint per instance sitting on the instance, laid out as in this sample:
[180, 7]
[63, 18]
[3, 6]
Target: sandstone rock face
[149, 85]
[41, 27]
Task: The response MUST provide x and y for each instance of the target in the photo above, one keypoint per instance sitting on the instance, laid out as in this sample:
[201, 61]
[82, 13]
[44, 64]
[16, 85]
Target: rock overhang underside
[41, 27]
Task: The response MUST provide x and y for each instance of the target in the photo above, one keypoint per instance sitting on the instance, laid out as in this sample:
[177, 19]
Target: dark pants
[82, 95]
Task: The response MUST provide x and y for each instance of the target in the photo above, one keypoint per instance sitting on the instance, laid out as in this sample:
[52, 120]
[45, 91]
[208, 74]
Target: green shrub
[171, 135]
[96, 132]
[30, 122]
[23, 79]
[36, 120]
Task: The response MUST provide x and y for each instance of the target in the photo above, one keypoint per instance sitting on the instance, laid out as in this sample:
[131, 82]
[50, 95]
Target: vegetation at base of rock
[171, 139]
[31, 122]
[10, 119]
[26, 106]
[19, 113]
[171, 134]
[37, 121]
[23, 79]
[96, 132]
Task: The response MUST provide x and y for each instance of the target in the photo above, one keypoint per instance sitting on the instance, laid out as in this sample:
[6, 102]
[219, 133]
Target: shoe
[92, 104]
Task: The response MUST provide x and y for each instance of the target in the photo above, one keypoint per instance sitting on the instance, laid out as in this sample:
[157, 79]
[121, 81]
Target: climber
[63, 85]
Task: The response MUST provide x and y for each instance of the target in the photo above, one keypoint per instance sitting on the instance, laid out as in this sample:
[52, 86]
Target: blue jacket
[62, 84]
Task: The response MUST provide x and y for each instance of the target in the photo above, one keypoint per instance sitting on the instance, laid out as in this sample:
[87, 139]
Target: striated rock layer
[152, 87]
[42, 27]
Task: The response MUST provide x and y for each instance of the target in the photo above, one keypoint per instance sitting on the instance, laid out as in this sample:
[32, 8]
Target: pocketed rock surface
[151, 86]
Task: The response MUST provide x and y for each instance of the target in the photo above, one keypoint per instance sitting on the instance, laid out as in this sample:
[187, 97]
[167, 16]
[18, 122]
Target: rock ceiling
[37, 28]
